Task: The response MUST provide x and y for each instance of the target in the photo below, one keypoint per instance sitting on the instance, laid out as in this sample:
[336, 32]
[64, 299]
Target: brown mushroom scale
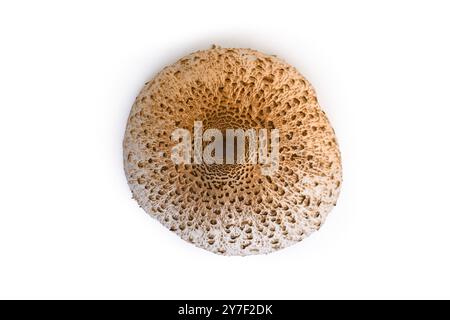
[233, 209]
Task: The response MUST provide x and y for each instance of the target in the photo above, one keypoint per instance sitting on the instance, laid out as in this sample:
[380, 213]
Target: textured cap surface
[233, 209]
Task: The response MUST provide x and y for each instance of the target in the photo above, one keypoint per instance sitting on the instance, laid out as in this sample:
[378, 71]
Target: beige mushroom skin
[233, 209]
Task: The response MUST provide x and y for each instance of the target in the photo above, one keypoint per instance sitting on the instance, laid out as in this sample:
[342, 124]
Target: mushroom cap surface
[233, 209]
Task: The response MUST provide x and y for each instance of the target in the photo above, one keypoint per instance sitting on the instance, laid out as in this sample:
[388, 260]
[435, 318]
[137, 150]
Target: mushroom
[233, 209]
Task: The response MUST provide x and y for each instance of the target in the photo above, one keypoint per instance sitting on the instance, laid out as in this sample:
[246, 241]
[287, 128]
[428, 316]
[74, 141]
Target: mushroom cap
[233, 209]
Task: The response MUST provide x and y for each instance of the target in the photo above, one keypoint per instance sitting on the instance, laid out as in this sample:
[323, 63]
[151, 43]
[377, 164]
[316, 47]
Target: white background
[69, 72]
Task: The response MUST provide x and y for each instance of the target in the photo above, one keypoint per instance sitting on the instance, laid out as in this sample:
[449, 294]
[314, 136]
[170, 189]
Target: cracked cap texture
[233, 209]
